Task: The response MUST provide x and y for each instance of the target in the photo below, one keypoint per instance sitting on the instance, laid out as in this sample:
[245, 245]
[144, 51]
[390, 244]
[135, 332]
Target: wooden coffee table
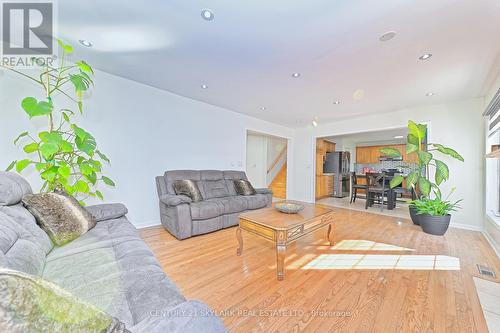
[283, 228]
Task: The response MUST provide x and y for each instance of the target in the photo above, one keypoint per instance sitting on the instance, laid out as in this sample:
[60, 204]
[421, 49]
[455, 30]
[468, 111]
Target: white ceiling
[372, 138]
[247, 54]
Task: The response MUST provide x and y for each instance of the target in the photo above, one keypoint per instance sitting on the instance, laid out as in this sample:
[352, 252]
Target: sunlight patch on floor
[381, 261]
[366, 245]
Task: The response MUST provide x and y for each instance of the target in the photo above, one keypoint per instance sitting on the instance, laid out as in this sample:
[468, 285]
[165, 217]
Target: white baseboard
[493, 244]
[466, 227]
[146, 224]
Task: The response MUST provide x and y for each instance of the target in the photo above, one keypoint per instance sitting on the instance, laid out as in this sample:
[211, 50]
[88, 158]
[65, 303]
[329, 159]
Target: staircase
[278, 185]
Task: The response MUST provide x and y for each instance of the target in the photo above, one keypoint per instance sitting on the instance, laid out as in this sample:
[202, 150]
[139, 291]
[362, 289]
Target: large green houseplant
[429, 209]
[64, 154]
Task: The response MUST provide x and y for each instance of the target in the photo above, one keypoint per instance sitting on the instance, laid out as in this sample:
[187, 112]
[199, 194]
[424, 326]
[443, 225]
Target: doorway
[266, 162]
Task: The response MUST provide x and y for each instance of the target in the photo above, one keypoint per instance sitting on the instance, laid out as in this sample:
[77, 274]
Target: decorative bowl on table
[288, 207]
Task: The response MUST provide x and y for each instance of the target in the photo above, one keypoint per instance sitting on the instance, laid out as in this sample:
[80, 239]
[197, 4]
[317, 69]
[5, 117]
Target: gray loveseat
[109, 266]
[219, 209]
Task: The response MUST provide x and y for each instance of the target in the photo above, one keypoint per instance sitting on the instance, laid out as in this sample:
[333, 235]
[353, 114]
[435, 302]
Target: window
[493, 163]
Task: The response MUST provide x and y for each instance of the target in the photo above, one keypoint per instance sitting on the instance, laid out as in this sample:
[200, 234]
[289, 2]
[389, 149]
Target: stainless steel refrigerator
[338, 164]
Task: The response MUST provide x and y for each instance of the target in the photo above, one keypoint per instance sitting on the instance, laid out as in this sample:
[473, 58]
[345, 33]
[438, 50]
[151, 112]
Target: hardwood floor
[207, 268]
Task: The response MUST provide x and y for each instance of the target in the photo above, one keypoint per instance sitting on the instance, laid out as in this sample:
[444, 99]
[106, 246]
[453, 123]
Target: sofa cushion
[105, 212]
[230, 176]
[230, 205]
[256, 201]
[214, 189]
[188, 188]
[29, 229]
[172, 176]
[243, 187]
[116, 271]
[12, 188]
[31, 304]
[22, 249]
[205, 210]
[59, 215]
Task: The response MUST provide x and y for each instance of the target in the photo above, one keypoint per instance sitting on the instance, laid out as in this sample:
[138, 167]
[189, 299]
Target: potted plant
[418, 179]
[434, 214]
[64, 154]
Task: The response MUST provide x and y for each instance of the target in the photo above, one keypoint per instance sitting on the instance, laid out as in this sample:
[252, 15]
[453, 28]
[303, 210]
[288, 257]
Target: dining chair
[376, 189]
[355, 187]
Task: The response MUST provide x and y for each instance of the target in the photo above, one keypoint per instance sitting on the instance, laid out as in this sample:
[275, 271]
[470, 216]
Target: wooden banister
[280, 155]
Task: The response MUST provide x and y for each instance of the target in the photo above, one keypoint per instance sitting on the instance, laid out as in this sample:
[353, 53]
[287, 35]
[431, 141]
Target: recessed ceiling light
[429, 94]
[295, 75]
[207, 14]
[425, 56]
[387, 36]
[399, 137]
[85, 43]
[336, 102]
[263, 108]
[204, 86]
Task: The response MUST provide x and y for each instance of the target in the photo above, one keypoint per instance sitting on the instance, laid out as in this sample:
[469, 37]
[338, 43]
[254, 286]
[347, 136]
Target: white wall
[256, 165]
[144, 131]
[458, 124]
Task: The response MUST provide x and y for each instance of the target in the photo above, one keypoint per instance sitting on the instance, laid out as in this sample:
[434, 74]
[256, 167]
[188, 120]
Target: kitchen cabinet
[324, 183]
[363, 155]
[371, 154]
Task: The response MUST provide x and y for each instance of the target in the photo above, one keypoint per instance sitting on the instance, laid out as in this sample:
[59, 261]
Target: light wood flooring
[207, 268]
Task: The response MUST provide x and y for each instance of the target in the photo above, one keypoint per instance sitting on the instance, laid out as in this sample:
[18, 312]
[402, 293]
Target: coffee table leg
[280, 260]
[330, 233]
[239, 250]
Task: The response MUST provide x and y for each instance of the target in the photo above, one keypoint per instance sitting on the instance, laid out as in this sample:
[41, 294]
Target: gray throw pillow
[189, 188]
[243, 187]
[31, 304]
[60, 215]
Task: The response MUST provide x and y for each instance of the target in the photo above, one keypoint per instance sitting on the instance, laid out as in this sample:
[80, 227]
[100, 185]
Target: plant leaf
[11, 166]
[30, 148]
[34, 108]
[442, 172]
[411, 179]
[78, 82]
[22, 135]
[424, 157]
[48, 150]
[85, 67]
[448, 151]
[64, 171]
[107, 181]
[99, 195]
[81, 186]
[424, 185]
[102, 156]
[411, 148]
[412, 139]
[66, 47]
[395, 181]
[21, 165]
[391, 152]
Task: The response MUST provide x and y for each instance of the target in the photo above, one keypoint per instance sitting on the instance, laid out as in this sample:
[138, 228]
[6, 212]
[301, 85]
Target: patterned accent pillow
[59, 215]
[189, 188]
[31, 304]
[243, 187]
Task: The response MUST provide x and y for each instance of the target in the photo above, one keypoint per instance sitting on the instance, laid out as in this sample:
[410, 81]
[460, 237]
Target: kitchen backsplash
[405, 167]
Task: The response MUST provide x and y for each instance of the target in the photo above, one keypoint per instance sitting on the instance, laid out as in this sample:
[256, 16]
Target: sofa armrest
[263, 191]
[174, 200]
[107, 211]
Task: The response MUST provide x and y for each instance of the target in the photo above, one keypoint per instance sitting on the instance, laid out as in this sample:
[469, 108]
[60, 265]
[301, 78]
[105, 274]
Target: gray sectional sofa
[219, 209]
[109, 266]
